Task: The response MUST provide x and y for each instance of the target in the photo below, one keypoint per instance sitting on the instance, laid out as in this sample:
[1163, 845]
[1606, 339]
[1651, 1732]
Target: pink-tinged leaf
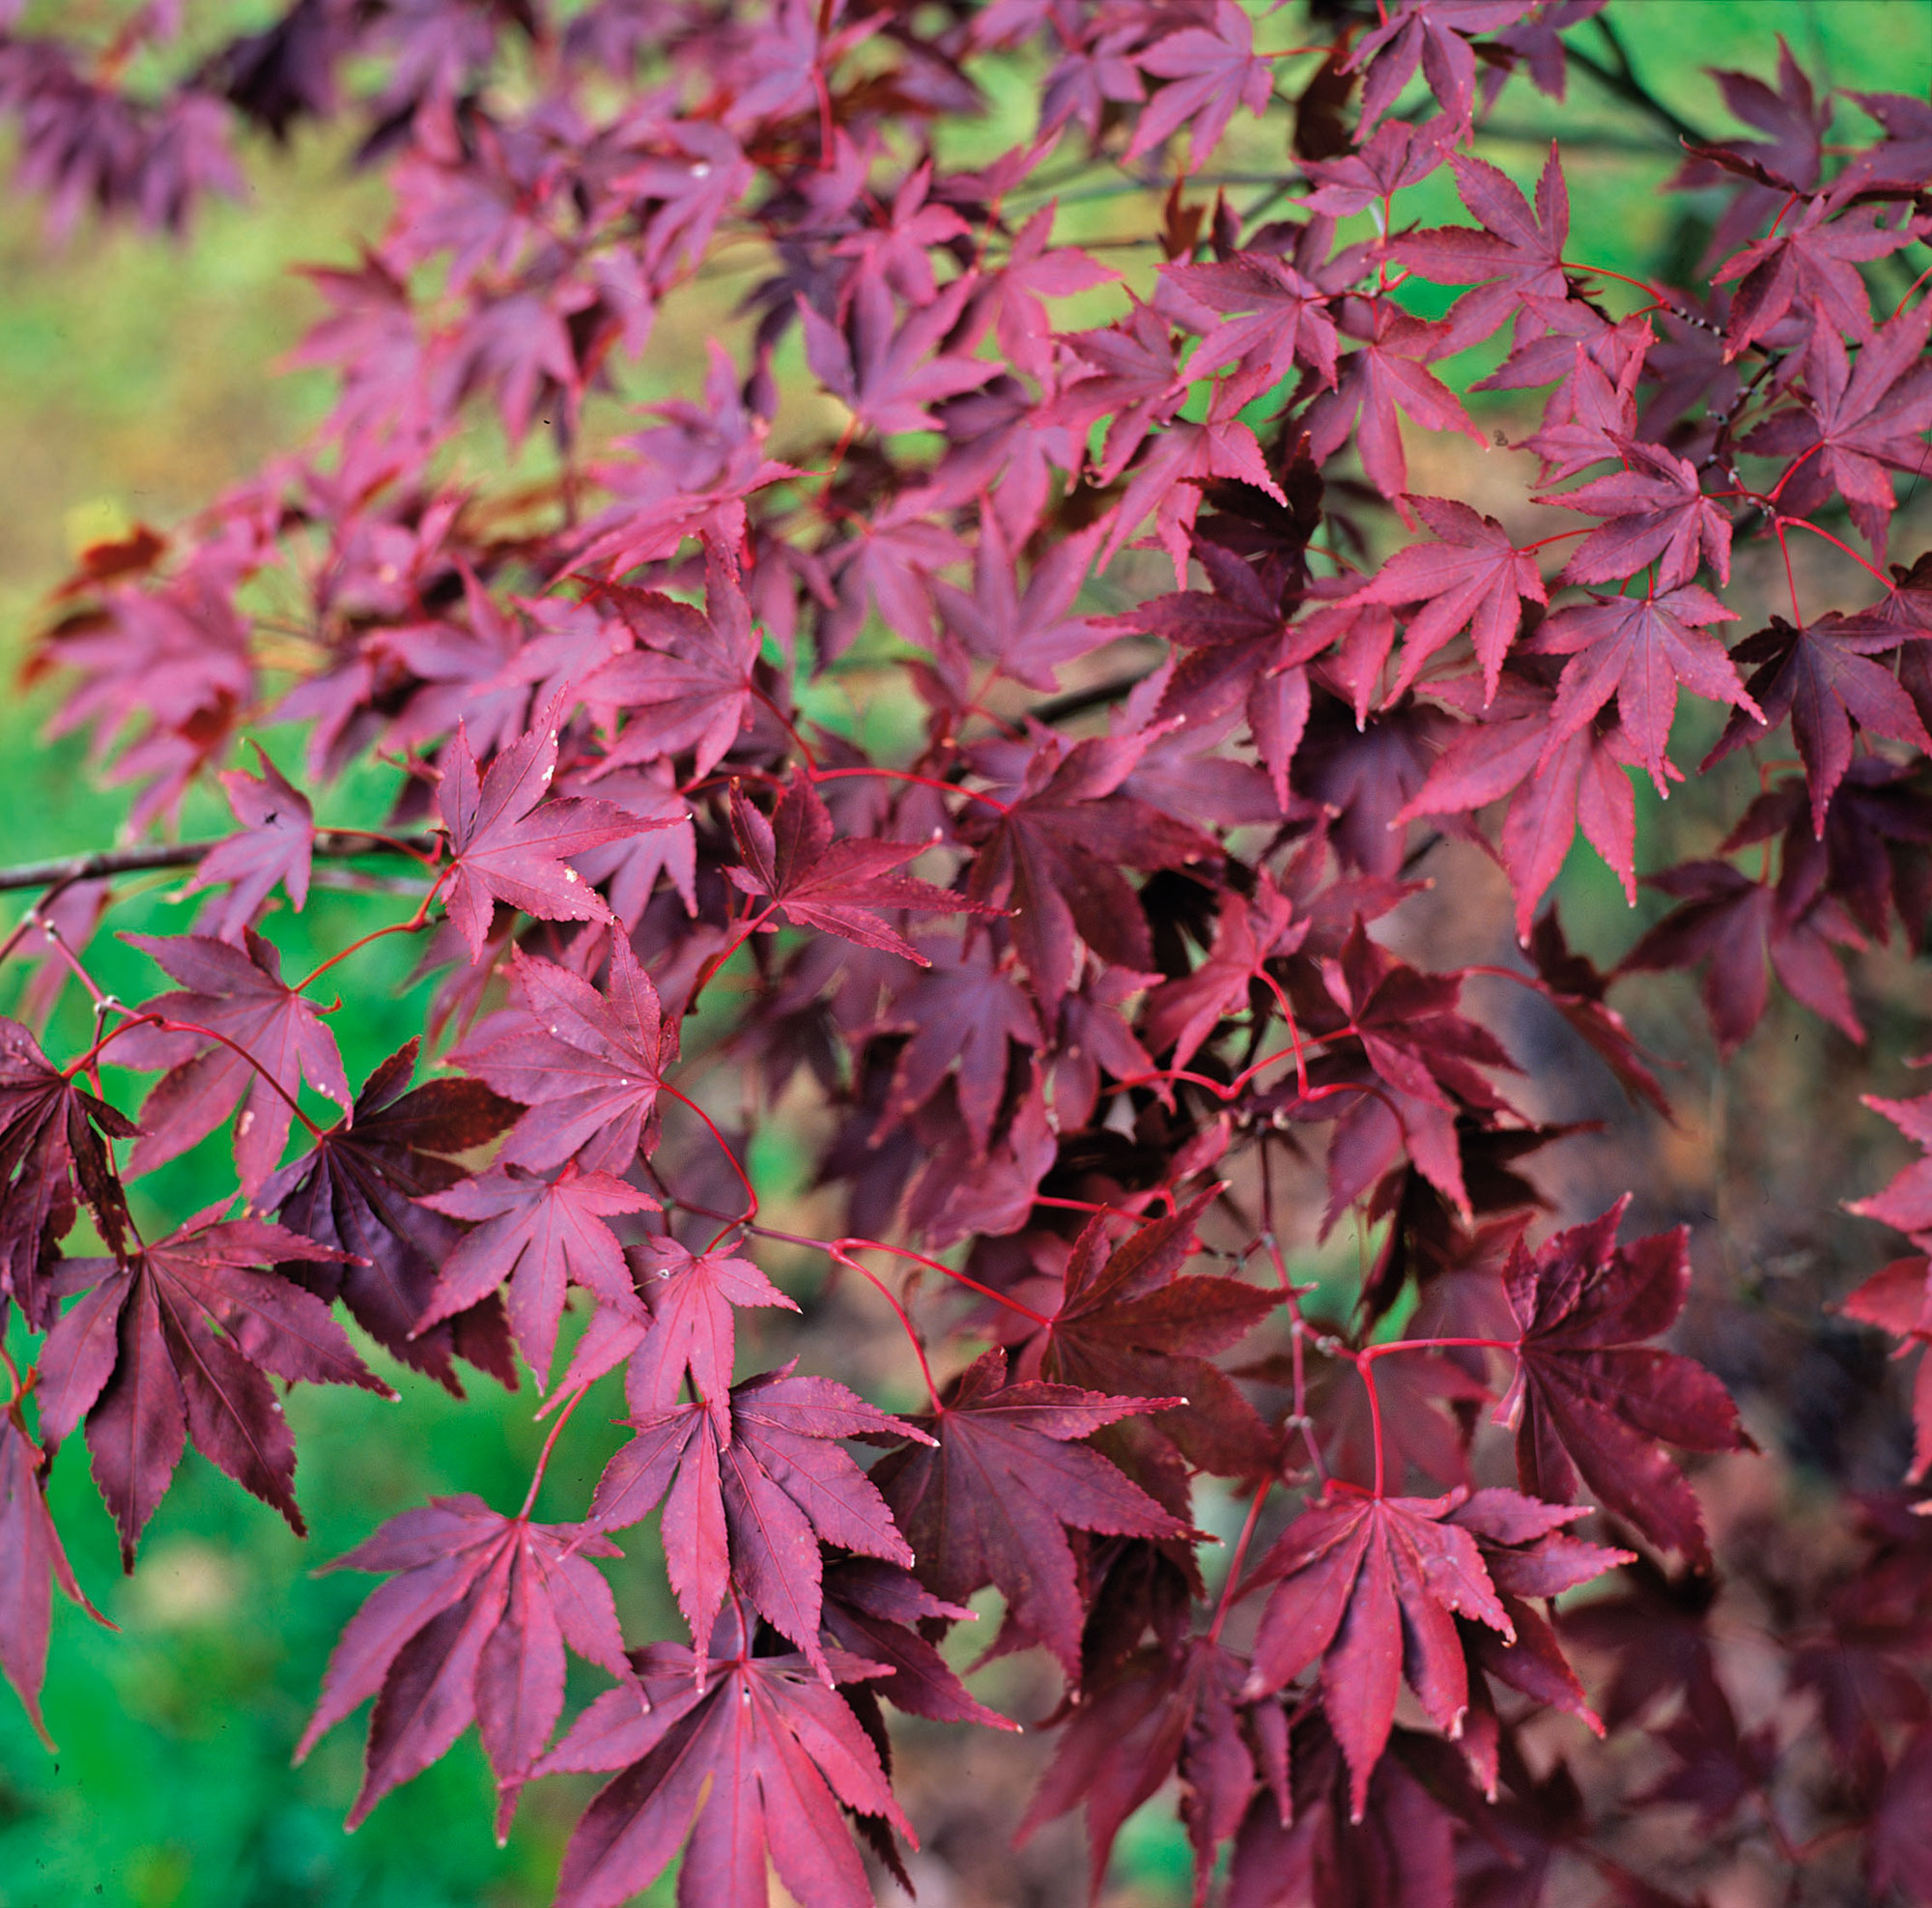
[1209, 71]
[239, 994]
[1640, 649]
[1658, 514]
[541, 1235]
[276, 845]
[889, 373]
[586, 1065]
[1371, 1587]
[838, 886]
[754, 1771]
[1384, 377]
[472, 1626]
[1434, 35]
[508, 844]
[1591, 1401]
[752, 1482]
[1474, 580]
[1515, 255]
[1273, 319]
[1823, 680]
[990, 1503]
[692, 1330]
[687, 685]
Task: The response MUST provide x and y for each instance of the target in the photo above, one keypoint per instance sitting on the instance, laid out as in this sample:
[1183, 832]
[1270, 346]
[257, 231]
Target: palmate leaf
[139, 1357]
[472, 1626]
[540, 1235]
[275, 1040]
[1128, 1323]
[586, 1066]
[507, 843]
[55, 1154]
[1371, 1587]
[1005, 1476]
[1052, 859]
[838, 886]
[754, 1758]
[1591, 1401]
[752, 1482]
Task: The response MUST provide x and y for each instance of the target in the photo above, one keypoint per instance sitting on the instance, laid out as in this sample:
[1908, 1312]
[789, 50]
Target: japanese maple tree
[1006, 727]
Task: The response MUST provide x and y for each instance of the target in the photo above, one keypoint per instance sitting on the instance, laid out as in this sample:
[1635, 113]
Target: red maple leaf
[1162, 1714]
[1431, 33]
[753, 1758]
[472, 1626]
[961, 1016]
[1209, 71]
[32, 1562]
[687, 686]
[1427, 1056]
[1372, 1587]
[540, 1235]
[1167, 480]
[55, 1153]
[140, 1359]
[277, 847]
[1474, 578]
[585, 1066]
[1054, 857]
[1128, 1324]
[359, 1191]
[1035, 270]
[898, 251]
[1738, 924]
[1385, 377]
[1638, 650]
[1811, 260]
[1517, 254]
[1135, 380]
[508, 844]
[872, 1610]
[1027, 633]
[1906, 1204]
[989, 1503]
[1863, 422]
[792, 861]
[239, 993]
[752, 1482]
[1273, 317]
[884, 372]
[1589, 1399]
[1822, 681]
[1584, 785]
[1658, 514]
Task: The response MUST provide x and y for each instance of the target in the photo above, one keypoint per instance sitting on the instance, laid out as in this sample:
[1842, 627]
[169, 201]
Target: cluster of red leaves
[1133, 980]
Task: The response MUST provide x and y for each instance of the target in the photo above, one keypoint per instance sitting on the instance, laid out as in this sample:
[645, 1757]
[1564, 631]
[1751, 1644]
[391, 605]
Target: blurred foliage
[140, 381]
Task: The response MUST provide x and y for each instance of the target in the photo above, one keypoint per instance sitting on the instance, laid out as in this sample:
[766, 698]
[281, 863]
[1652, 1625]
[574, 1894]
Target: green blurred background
[138, 378]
